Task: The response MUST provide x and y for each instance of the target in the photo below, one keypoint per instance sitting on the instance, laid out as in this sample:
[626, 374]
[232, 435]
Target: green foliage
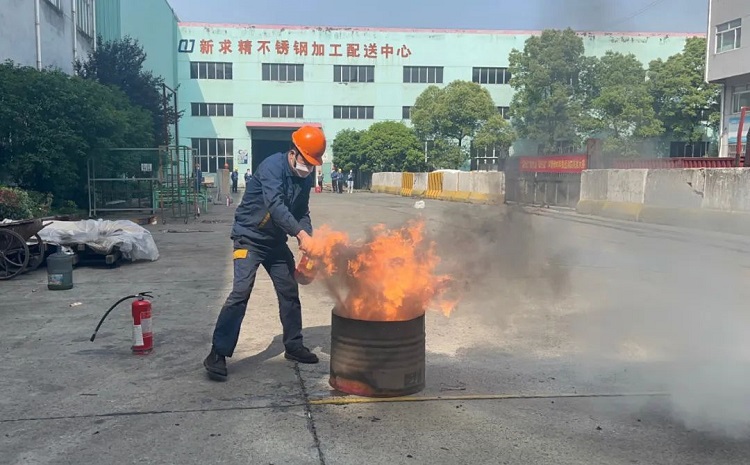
[347, 152]
[446, 154]
[495, 132]
[620, 106]
[18, 204]
[685, 104]
[550, 77]
[454, 112]
[391, 146]
[50, 123]
[119, 63]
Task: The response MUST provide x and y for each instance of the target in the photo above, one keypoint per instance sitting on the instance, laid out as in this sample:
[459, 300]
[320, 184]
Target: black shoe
[301, 355]
[216, 365]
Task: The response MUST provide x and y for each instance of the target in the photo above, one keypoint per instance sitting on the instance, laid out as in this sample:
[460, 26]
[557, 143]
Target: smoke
[689, 323]
[581, 15]
[667, 315]
[500, 260]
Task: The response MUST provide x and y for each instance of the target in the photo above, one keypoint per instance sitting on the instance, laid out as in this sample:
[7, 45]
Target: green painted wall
[108, 19]
[152, 22]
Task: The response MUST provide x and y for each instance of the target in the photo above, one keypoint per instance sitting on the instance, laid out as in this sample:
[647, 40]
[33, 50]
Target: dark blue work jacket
[276, 204]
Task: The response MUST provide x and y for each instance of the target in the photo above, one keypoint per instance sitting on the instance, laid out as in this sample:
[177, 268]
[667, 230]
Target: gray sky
[591, 15]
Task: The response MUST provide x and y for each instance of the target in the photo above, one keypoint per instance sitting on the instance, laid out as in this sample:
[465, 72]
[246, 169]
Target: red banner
[554, 164]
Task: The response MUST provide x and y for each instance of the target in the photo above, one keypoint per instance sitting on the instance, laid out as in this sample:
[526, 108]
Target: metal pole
[166, 114]
[176, 121]
[38, 26]
[738, 153]
[75, 29]
[93, 14]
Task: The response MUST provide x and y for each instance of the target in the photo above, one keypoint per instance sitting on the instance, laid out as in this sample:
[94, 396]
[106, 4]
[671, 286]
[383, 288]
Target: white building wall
[18, 37]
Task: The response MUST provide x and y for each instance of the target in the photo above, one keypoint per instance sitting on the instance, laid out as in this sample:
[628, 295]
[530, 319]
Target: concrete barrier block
[626, 185]
[594, 184]
[495, 184]
[674, 188]
[454, 196]
[420, 184]
[487, 199]
[727, 189]
[465, 181]
[450, 181]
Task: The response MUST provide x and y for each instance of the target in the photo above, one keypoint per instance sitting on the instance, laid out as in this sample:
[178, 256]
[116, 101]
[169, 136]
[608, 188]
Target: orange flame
[390, 276]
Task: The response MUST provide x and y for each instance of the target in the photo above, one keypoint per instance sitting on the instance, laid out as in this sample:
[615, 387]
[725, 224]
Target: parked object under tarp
[103, 236]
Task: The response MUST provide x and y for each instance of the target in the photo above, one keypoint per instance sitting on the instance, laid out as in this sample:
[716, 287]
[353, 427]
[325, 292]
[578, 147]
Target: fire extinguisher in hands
[306, 270]
[143, 337]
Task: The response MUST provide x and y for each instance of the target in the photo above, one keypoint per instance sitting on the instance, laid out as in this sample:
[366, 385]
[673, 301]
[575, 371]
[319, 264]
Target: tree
[495, 133]
[391, 146]
[51, 123]
[455, 112]
[347, 152]
[549, 77]
[119, 63]
[686, 105]
[619, 104]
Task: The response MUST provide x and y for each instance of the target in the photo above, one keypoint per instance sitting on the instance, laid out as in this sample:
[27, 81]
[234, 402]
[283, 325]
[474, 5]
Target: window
[739, 100]
[212, 109]
[282, 111]
[283, 72]
[212, 154]
[353, 112]
[406, 112]
[210, 70]
[505, 111]
[729, 36]
[490, 75]
[342, 73]
[56, 3]
[85, 17]
[423, 74]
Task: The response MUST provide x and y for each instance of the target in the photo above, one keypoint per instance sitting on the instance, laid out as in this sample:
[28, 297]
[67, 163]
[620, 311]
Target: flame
[389, 276]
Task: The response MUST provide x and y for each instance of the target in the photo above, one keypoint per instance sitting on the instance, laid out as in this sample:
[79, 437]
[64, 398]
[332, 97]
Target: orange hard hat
[311, 142]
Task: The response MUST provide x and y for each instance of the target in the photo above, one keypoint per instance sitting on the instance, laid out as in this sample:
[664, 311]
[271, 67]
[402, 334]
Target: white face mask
[300, 169]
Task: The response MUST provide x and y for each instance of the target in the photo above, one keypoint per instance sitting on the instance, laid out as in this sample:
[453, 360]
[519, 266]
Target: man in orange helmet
[275, 205]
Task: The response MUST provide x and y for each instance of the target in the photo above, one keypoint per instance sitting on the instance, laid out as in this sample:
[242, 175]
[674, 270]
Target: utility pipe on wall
[75, 30]
[93, 17]
[38, 27]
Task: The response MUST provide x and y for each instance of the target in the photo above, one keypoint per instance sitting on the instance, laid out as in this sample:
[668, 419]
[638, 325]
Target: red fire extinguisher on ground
[143, 336]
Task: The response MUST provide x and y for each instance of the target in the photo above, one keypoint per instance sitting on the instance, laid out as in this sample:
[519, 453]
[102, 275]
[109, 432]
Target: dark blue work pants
[279, 263]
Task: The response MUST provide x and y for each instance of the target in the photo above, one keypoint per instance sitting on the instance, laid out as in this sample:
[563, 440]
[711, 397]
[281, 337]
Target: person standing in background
[235, 179]
[350, 182]
[334, 180]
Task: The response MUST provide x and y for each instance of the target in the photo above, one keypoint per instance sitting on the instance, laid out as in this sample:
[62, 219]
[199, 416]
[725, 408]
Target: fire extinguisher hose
[135, 296]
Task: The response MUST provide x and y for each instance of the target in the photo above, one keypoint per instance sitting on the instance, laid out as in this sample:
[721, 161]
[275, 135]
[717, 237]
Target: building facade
[47, 33]
[152, 22]
[728, 64]
[244, 88]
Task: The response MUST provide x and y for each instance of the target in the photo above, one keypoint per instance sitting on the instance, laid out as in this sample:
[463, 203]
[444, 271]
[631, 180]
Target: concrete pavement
[555, 303]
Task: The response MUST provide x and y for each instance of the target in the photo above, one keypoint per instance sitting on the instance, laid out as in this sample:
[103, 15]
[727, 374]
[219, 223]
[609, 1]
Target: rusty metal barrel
[377, 358]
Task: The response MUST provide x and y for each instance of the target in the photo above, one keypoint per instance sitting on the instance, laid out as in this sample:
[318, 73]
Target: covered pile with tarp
[104, 237]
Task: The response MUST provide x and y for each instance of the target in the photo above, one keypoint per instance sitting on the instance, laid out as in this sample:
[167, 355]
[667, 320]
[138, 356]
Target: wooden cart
[21, 248]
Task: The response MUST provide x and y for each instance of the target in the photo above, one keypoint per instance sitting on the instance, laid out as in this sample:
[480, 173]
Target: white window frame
[56, 4]
[736, 96]
[729, 32]
[85, 17]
